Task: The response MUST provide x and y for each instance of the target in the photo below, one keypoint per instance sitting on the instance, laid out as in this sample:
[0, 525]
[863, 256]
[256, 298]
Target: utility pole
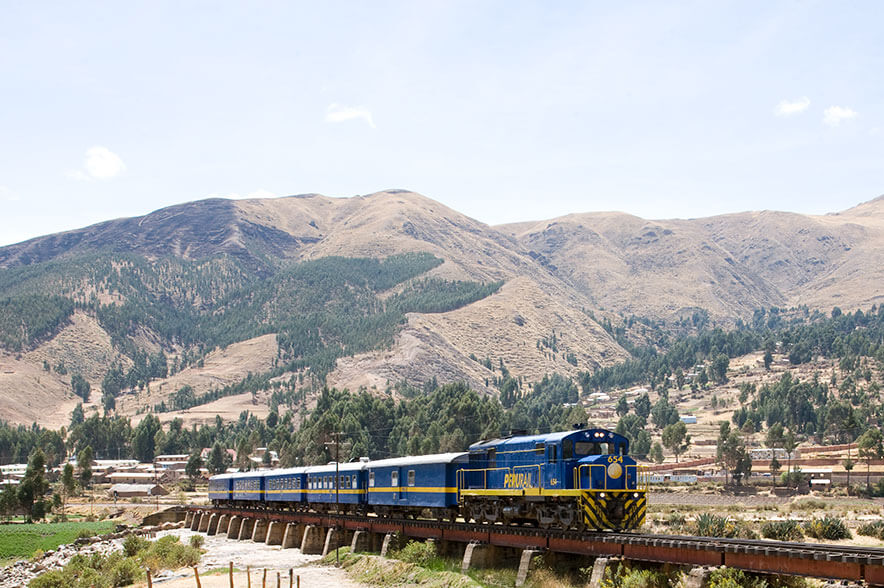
[337, 444]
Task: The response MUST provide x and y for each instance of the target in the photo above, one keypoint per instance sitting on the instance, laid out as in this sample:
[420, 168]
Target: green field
[20, 541]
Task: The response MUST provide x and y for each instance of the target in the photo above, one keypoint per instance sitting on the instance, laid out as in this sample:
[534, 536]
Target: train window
[346, 483]
[567, 449]
[355, 482]
[371, 479]
[553, 454]
[539, 447]
[394, 479]
[587, 448]
[411, 477]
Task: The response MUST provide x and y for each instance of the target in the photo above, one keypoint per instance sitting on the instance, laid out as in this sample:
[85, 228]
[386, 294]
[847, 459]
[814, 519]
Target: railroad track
[818, 560]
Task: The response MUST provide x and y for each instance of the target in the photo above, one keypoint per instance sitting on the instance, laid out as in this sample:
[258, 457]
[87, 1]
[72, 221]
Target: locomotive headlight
[635, 495]
[615, 470]
[601, 494]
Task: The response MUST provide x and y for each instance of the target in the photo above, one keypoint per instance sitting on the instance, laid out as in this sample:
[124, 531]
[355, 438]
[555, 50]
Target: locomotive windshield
[582, 448]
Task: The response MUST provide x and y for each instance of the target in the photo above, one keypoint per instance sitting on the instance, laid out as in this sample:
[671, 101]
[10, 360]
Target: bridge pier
[334, 538]
[204, 522]
[292, 536]
[195, 521]
[697, 578]
[361, 542]
[246, 528]
[259, 533]
[598, 571]
[188, 519]
[223, 523]
[526, 564]
[312, 543]
[212, 528]
[478, 555]
[274, 533]
[233, 527]
[391, 541]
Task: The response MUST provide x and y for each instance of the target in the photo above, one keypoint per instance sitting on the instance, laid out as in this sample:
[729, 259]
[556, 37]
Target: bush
[124, 572]
[676, 520]
[169, 553]
[84, 533]
[416, 552]
[132, 544]
[731, 578]
[782, 530]
[874, 529]
[196, 541]
[710, 525]
[629, 576]
[828, 527]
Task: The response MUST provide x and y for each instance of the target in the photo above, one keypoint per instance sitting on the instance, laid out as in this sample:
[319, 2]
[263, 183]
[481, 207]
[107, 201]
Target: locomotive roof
[416, 460]
[595, 435]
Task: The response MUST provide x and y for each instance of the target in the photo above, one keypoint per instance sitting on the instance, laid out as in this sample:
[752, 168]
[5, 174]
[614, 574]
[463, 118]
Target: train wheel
[565, 515]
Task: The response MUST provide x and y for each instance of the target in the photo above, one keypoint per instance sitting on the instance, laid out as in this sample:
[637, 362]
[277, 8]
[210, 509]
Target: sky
[506, 111]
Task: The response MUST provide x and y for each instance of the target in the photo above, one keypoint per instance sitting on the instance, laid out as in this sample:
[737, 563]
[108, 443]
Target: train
[583, 479]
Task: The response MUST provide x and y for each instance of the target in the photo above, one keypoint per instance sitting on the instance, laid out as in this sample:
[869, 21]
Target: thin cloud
[100, 163]
[7, 195]
[790, 107]
[835, 115]
[336, 113]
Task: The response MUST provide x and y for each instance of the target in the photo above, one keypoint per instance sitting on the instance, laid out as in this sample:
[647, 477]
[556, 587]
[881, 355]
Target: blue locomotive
[570, 480]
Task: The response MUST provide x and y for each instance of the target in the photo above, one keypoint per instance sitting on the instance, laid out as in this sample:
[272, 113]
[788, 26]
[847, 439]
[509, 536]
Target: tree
[719, 367]
[68, 484]
[731, 453]
[33, 487]
[657, 453]
[84, 461]
[790, 442]
[192, 469]
[144, 438]
[775, 438]
[676, 439]
[77, 416]
[871, 446]
[81, 387]
[768, 359]
[643, 406]
[664, 413]
[8, 500]
[848, 467]
[219, 460]
[775, 468]
[622, 406]
[108, 402]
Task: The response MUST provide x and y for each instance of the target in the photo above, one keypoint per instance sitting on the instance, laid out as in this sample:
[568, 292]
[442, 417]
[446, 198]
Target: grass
[22, 541]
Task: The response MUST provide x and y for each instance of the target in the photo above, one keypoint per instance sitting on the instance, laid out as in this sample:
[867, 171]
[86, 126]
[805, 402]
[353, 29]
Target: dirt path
[220, 551]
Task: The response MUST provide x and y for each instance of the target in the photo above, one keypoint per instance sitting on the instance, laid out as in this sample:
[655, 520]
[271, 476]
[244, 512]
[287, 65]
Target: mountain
[193, 308]
[211, 278]
[728, 265]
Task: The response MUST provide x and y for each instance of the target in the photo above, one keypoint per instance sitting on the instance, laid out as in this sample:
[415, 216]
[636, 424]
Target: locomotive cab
[571, 479]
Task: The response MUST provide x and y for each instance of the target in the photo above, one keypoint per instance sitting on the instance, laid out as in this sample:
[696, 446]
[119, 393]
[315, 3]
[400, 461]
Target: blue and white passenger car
[408, 485]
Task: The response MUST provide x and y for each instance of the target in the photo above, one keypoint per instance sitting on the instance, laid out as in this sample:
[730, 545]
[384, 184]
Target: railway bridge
[481, 545]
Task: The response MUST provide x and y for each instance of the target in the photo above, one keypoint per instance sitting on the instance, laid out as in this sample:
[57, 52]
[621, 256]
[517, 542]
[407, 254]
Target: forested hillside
[154, 309]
